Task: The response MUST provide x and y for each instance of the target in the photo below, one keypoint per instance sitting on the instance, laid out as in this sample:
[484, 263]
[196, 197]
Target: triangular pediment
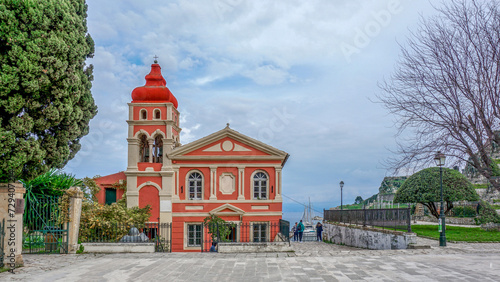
[227, 209]
[227, 143]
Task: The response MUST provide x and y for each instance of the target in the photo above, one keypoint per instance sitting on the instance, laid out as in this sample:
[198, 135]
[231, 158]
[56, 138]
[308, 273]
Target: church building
[226, 173]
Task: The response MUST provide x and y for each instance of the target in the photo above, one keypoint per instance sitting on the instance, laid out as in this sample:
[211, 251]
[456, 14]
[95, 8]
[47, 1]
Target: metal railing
[158, 233]
[245, 232]
[384, 218]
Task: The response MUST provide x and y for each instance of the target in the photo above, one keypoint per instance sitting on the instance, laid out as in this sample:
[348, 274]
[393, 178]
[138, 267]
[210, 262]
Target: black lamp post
[440, 159]
[341, 186]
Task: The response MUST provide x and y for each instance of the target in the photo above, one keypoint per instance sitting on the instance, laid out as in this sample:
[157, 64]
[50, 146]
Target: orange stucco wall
[137, 111]
[150, 128]
[183, 174]
[178, 230]
[148, 195]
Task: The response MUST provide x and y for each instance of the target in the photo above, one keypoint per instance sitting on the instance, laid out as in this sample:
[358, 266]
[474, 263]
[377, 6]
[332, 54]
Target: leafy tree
[424, 187]
[53, 183]
[218, 228]
[45, 99]
[445, 89]
[358, 200]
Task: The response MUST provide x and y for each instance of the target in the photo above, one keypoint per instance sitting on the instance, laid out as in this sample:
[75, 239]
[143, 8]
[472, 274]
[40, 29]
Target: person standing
[295, 233]
[319, 230]
[300, 229]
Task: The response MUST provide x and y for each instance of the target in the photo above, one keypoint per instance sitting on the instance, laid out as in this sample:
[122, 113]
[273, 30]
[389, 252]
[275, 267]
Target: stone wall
[254, 247]
[367, 237]
[118, 247]
[451, 220]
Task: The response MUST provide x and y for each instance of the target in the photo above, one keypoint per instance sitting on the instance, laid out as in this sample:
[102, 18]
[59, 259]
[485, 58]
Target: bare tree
[445, 91]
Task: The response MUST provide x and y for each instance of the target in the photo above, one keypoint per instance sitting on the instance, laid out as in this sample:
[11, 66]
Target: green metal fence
[42, 231]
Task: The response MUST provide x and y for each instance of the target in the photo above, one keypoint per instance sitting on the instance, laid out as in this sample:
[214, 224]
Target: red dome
[155, 90]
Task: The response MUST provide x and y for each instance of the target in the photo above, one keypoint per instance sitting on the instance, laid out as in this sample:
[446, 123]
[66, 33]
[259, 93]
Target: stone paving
[311, 261]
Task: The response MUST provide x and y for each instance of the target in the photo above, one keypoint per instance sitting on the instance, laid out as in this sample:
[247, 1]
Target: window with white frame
[144, 114]
[157, 114]
[260, 185]
[193, 235]
[195, 186]
[260, 232]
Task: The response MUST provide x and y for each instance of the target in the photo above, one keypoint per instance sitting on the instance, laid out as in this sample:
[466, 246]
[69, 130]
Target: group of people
[298, 231]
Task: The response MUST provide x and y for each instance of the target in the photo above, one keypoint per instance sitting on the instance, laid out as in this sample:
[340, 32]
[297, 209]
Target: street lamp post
[440, 160]
[341, 186]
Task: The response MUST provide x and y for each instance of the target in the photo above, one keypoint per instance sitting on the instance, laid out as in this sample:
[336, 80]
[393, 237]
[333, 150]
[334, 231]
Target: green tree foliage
[424, 187]
[106, 221]
[358, 200]
[45, 99]
[218, 228]
[53, 183]
[487, 214]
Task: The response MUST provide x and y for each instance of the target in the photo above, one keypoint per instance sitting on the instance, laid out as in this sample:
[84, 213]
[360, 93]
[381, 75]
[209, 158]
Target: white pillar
[241, 183]
[213, 183]
[278, 184]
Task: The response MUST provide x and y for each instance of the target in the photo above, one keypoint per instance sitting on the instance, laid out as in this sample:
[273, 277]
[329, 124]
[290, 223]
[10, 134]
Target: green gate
[42, 233]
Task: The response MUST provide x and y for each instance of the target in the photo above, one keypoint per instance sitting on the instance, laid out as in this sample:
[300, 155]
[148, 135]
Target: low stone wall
[254, 247]
[451, 220]
[118, 247]
[367, 237]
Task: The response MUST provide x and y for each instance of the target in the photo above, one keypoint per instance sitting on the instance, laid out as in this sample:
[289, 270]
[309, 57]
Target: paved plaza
[311, 261]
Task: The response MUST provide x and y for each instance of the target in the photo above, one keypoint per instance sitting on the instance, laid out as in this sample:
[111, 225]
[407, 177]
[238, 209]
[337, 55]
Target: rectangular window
[260, 232]
[110, 196]
[194, 235]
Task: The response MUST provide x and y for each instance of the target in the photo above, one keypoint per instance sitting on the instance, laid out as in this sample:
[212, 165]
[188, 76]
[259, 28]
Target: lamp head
[440, 158]
[341, 184]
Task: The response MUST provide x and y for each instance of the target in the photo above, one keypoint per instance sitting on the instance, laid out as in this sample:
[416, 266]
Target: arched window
[157, 114]
[195, 185]
[143, 148]
[158, 149]
[260, 185]
[144, 114]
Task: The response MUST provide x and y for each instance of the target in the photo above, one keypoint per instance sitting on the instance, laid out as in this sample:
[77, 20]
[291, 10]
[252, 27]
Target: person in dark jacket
[300, 229]
[319, 230]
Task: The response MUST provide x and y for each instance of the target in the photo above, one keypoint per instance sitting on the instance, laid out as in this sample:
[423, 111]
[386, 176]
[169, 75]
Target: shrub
[464, 211]
[487, 214]
[101, 220]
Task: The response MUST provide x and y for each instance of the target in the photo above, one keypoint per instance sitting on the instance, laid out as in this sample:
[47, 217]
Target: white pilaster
[213, 183]
[241, 183]
[278, 184]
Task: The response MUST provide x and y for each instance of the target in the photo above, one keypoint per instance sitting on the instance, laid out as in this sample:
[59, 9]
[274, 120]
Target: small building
[225, 173]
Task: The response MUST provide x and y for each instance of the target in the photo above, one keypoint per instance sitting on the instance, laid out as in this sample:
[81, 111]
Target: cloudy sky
[297, 75]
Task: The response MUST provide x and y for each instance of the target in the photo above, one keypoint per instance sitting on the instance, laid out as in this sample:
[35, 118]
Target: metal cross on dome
[156, 59]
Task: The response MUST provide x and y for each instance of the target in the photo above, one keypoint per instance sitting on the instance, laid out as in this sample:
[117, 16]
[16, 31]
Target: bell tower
[153, 131]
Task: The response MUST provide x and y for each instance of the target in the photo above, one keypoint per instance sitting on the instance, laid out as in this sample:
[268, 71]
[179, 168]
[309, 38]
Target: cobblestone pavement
[311, 261]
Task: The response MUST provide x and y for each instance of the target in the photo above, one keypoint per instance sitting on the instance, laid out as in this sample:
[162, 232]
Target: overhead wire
[300, 203]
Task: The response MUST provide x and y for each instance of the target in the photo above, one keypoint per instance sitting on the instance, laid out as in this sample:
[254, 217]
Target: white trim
[233, 181]
[268, 226]
[252, 183]
[140, 114]
[156, 132]
[205, 214]
[186, 181]
[149, 183]
[193, 208]
[142, 131]
[234, 209]
[260, 207]
[226, 201]
[186, 239]
[154, 114]
[236, 136]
